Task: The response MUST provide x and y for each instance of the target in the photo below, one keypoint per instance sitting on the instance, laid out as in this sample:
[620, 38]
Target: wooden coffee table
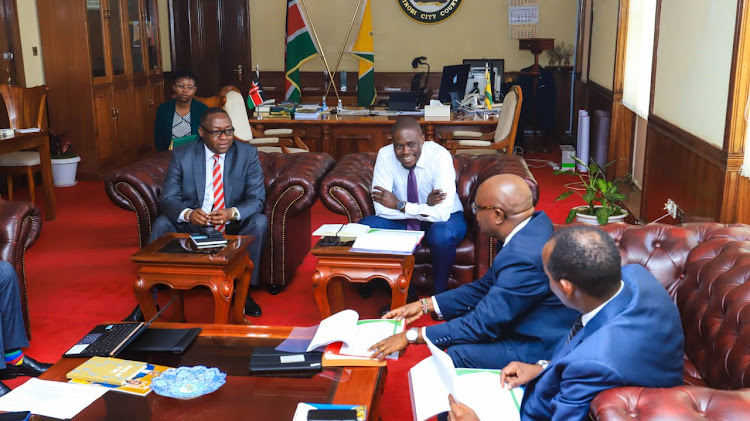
[339, 262]
[173, 260]
[228, 347]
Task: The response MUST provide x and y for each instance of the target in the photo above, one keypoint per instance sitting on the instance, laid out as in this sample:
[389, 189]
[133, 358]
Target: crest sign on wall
[429, 11]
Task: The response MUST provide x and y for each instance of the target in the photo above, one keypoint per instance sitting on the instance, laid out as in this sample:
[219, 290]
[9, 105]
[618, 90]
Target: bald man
[510, 314]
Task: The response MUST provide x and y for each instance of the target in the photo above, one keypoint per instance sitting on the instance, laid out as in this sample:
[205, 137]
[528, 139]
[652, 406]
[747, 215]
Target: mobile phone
[332, 415]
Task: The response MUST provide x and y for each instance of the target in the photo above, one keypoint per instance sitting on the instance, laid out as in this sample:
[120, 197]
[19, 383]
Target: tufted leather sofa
[705, 267]
[346, 191]
[291, 188]
[22, 224]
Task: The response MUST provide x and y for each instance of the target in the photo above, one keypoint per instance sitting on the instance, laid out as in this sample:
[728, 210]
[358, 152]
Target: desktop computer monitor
[476, 80]
[453, 83]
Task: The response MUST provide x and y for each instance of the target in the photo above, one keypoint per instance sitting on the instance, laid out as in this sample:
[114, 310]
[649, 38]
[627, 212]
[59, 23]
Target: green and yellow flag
[487, 90]
[363, 49]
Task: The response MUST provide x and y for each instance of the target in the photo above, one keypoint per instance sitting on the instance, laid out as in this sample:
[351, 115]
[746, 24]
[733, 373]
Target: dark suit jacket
[635, 340]
[185, 182]
[512, 302]
[164, 117]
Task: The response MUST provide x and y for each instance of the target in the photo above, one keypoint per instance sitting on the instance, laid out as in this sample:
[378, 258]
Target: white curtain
[638, 56]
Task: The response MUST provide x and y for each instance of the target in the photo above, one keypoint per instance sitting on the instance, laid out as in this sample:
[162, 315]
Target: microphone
[417, 61]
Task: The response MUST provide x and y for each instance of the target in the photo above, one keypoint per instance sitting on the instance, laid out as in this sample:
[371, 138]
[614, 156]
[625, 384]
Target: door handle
[239, 72]
[112, 110]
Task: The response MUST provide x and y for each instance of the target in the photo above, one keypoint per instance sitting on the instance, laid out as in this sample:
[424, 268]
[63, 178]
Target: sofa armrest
[675, 403]
[22, 224]
[136, 187]
[295, 180]
[346, 189]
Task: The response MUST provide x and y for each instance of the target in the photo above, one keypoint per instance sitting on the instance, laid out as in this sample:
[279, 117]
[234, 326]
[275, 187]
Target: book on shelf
[137, 384]
[388, 241]
[344, 232]
[432, 379]
[348, 339]
[304, 408]
[208, 240]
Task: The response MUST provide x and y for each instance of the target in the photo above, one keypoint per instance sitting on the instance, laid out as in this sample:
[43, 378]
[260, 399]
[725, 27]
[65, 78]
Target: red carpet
[79, 274]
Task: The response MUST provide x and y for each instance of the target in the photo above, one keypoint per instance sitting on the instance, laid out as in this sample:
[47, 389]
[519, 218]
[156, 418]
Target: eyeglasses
[217, 133]
[475, 209]
[185, 87]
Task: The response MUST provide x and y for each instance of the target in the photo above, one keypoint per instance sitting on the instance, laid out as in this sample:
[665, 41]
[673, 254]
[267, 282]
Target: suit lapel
[230, 161]
[199, 158]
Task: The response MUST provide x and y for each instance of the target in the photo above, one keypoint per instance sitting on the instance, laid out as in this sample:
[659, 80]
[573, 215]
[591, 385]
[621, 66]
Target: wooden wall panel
[599, 98]
[678, 170]
[742, 202]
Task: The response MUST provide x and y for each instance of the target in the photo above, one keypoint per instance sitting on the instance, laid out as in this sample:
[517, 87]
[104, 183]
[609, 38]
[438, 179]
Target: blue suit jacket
[512, 302]
[635, 340]
[185, 183]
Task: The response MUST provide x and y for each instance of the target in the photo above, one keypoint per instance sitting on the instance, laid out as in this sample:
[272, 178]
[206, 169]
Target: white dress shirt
[585, 318]
[434, 170]
[208, 193]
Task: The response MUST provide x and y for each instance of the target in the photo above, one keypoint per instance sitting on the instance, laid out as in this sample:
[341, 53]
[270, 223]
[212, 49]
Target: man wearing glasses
[216, 183]
[180, 116]
[510, 314]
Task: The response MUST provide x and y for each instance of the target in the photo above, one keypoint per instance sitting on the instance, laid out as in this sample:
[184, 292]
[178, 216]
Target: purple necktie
[412, 196]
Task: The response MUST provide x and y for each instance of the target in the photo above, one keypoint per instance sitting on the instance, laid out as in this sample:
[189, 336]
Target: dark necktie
[412, 196]
[576, 327]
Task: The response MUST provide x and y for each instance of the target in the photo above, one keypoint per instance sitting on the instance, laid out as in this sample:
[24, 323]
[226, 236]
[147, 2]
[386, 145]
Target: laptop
[110, 339]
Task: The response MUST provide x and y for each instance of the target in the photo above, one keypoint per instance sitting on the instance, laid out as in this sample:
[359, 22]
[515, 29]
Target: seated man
[217, 183]
[509, 314]
[180, 116]
[414, 187]
[12, 332]
[629, 334]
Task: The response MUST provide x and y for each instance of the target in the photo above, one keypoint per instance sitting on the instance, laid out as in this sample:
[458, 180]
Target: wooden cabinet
[103, 68]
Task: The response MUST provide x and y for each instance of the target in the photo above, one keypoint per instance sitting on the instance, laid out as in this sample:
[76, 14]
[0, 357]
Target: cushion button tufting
[657, 245]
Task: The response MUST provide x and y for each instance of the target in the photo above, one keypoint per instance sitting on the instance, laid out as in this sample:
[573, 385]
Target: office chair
[503, 138]
[26, 109]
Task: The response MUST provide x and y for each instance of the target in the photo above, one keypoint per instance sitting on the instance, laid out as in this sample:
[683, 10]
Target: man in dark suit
[12, 332]
[216, 183]
[509, 314]
[629, 333]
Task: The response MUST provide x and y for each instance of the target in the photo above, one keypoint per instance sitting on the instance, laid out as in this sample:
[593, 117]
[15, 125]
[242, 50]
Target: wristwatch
[412, 335]
[235, 214]
[543, 363]
[401, 205]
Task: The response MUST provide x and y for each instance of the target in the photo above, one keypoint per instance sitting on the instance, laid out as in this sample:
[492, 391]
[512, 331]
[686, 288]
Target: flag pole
[346, 40]
[322, 53]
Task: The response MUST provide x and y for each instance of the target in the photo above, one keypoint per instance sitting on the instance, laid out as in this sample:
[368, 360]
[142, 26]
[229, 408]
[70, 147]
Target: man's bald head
[510, 200]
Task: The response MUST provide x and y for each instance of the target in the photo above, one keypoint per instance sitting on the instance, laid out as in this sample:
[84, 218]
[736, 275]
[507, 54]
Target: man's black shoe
[135, 316]
[29, 368]
[3, 389]
[252, 308]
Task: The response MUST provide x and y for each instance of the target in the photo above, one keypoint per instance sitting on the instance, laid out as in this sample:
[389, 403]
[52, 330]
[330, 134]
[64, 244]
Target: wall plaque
[429, 11]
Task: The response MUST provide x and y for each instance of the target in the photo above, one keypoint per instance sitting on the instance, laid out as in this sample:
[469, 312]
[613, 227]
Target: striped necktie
[578, 325]
[218, 190]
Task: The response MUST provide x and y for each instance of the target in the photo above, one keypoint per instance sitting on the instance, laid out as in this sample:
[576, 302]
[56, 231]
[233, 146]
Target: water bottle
[343, 80]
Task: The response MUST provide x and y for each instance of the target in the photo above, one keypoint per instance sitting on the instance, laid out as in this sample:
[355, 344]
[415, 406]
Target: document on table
[29, 130]
[388, 241]
[51, 399]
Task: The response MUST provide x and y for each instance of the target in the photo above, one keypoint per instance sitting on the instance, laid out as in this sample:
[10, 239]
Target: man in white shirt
[414, 187]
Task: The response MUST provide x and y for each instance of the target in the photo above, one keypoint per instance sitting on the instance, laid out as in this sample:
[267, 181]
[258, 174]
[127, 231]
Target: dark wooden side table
[339, 262]
[174, 261]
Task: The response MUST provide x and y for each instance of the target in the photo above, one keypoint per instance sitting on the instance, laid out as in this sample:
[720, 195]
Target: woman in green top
[180, 116]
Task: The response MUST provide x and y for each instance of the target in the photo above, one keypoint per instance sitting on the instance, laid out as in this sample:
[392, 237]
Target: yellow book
[106, 370]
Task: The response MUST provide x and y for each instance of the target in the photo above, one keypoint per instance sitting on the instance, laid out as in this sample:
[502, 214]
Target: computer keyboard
[110, 340]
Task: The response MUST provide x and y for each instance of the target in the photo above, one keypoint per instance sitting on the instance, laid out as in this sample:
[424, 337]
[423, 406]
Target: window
[638, 56]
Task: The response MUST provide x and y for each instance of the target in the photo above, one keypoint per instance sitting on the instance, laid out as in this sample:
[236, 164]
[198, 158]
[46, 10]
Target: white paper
[336, 328]
[435, 103]
[368, 333]
[51, 399]
[342, 231]
[30, 130]
[523, 15]
[388, 241]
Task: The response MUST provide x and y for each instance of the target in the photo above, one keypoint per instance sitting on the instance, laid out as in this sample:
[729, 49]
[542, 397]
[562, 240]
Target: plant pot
[591, 219]
[64, 171]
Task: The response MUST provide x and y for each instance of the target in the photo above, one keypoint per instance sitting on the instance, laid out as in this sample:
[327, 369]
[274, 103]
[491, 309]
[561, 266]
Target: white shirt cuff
[182, 215]
[436, 307]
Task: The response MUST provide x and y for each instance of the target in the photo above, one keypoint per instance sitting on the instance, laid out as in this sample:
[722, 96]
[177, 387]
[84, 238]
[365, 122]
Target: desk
[39, 141]
[341, 135]
[228, 347]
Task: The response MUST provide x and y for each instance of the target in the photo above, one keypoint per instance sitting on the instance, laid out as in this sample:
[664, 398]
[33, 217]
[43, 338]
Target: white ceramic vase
[591, 219]
[64, 171]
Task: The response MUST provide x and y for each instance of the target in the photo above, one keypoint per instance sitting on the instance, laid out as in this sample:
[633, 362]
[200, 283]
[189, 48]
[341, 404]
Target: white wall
[604, 42]
[693, 65]
[29, 29]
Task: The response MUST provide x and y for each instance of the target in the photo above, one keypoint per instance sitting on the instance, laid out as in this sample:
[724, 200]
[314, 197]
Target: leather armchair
[346, 191]
[291, 188]
[705, 267]
[22, 224]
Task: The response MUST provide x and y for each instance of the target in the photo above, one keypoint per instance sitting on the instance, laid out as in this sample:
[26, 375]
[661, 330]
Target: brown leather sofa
[346, 191]
[291, 188]
[23, 223]
[705, 267]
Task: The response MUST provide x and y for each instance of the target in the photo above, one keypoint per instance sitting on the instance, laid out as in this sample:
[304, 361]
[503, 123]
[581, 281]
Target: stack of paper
[388, 241]
[348, 232]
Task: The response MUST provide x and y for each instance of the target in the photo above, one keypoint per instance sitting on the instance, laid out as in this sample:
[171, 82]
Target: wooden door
[11, 65]
[144, 123]
[212, 38]
[104, 119]
[127, 121]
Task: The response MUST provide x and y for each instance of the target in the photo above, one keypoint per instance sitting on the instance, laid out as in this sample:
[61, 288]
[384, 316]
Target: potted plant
[601, 196]
[64, 160]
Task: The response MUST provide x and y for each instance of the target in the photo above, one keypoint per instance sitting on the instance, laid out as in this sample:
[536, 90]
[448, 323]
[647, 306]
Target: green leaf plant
[596, 190]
